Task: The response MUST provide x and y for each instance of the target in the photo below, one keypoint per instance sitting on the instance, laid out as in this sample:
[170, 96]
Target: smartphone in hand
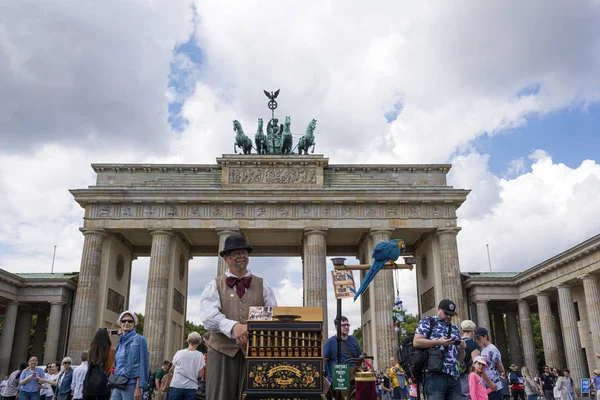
[113, 332]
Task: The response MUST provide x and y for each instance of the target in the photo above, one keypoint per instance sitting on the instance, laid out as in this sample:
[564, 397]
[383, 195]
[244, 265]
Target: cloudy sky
[508, 92]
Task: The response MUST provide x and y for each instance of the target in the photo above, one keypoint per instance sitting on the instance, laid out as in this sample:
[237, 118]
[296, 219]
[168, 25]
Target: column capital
[542, 294]
[522, 301]
[481, 301]
[450, 231]
[377, 231]
[227, 231]
[56, 303]
[161, 232]
[89, 231]
[315, 231]
[563, 286]
[589, 277]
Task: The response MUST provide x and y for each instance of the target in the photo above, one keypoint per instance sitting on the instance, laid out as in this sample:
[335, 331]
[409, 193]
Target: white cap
[135, 318]
[480, 360]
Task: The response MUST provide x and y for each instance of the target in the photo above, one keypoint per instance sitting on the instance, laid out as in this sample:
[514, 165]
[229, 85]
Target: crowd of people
[106, 372]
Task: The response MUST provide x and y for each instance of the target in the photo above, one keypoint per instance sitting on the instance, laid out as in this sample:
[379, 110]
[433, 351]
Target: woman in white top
[52, 376]
[188, 365]
[561, 388]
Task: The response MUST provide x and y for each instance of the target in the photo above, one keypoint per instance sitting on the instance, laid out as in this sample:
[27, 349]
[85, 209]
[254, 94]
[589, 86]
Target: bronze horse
[241, 140]
[308, 139]
[260, 139]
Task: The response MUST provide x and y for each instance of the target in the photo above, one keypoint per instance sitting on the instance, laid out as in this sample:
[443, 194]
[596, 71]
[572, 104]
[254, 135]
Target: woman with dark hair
[11, 389]
[101, 353]
[101, 350]
[561, 390]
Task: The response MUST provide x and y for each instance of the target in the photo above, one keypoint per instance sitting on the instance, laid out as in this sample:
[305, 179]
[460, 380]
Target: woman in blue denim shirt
[131, 359]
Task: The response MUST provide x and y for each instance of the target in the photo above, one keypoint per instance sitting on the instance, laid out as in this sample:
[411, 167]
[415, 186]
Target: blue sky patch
[569, 136]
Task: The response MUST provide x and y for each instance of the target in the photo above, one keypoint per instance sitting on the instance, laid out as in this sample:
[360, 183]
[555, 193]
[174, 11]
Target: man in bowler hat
[224, 307]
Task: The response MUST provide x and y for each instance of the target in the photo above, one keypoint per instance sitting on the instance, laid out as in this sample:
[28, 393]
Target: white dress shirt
[77, 382]
[210, 307]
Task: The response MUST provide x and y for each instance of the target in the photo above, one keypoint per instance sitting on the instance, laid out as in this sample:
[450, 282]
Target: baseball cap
[480, 360]
[448, 307]
[467, 325]
[480, 331]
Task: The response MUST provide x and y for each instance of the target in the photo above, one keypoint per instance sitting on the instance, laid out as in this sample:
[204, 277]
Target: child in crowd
[477, 388]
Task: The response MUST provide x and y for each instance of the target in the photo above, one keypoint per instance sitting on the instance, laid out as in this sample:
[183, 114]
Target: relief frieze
[127, 211]
[272, 176]
[105, 211]
[275, 211]
[150, 211]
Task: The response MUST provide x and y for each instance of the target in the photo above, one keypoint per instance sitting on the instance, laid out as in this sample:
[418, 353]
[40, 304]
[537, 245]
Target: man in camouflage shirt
[444, 384]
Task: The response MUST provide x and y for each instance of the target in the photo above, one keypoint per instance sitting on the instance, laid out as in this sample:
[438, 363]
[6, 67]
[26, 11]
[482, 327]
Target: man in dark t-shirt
[547, 383]
[160, 373]
[386, 386]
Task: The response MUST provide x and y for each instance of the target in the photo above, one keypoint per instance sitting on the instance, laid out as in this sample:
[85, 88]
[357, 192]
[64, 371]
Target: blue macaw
[384, 251]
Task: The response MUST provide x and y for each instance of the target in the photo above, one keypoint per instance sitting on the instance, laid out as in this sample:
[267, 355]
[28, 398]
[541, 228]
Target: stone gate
[285, 206]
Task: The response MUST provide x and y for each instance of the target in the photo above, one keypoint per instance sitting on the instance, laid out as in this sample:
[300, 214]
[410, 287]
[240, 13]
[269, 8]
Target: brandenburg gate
[285, 205]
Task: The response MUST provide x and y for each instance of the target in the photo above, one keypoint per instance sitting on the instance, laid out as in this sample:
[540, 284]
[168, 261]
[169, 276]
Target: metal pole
[488, 253]
[53, 257]
[338, 324]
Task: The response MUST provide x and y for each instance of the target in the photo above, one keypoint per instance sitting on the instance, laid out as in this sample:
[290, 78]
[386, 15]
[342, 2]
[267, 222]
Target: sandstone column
[157, 296]
[573, 352]
[500, 336]
[223, 234]
[23, 330]
[483, 315]
[513, 338]
[85, 309]
[527, 336]
[7, 335]
[450, 269]
[548, 332]
[315, 269]
[51, 353]
[383, 293]
[591, 288]
[39, 337]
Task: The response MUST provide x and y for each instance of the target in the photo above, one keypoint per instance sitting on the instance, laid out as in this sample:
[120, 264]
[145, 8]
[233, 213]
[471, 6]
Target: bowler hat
[235, 242]
[448, 307]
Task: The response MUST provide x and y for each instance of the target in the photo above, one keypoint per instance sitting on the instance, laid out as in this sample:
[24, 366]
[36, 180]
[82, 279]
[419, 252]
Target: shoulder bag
[117, 382]
[165, 383]
[435, 359]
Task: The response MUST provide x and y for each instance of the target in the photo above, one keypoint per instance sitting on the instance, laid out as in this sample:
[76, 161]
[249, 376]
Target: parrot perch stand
[339, 265]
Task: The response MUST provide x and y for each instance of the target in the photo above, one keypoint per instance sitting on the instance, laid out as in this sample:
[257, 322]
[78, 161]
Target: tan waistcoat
[235, 309]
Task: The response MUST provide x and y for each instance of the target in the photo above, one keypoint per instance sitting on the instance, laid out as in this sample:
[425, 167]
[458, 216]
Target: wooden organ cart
[285, 354]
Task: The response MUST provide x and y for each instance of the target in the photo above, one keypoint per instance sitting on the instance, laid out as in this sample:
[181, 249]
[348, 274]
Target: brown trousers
[225, 375]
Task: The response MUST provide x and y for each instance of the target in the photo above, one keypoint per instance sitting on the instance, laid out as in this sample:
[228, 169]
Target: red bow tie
[239, 289]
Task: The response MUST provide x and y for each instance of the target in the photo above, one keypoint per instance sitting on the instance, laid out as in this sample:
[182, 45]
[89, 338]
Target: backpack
[411, 359]
[152, 380]
[95, 381]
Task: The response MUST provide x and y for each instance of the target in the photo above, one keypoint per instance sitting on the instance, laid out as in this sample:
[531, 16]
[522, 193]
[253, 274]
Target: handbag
[165, 383]
[117, 382]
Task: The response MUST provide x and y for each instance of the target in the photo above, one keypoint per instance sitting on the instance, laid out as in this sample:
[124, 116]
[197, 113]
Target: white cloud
[540, 213]
[90, 83]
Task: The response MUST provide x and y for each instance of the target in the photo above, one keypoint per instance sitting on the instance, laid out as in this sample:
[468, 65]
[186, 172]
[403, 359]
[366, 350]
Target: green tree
[411, 321]
[357, 333]
[189, 327]
[139, 327]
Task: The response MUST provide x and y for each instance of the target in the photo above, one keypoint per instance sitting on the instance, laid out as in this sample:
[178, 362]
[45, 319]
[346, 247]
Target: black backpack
[411, 359]
[152, 380]
[95, 381]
